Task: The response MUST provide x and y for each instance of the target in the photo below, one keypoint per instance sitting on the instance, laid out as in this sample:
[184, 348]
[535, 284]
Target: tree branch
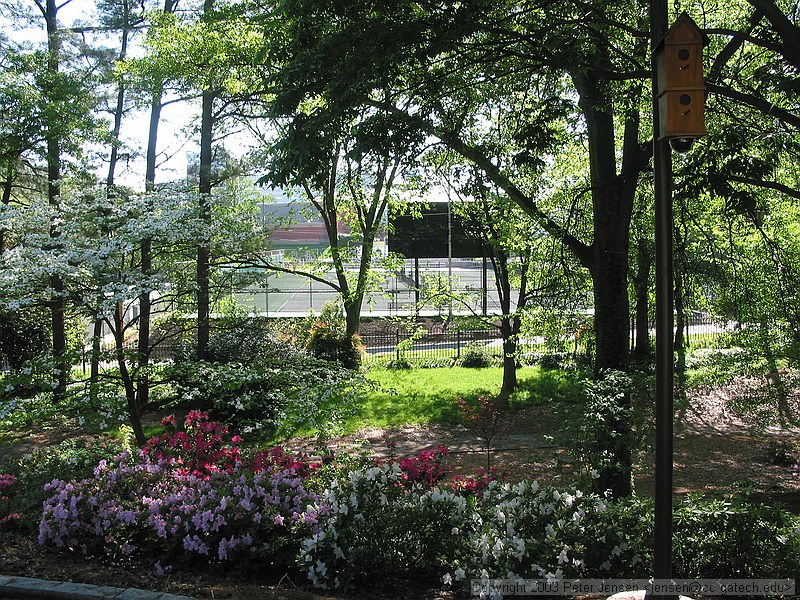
[760, 104]
[772, 185]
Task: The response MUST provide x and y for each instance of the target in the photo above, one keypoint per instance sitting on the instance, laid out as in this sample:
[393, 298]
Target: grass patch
[420, 396]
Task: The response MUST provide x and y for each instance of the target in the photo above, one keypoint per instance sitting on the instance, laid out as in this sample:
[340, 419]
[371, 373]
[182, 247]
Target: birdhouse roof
[684, 31]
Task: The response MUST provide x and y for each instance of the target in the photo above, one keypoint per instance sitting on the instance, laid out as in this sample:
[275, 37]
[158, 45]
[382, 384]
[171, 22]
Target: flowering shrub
[372, 525]
[275, 459]
[199, 450]
[426, 469]
[139, 506]
[475, 484]
[6, 516]
[72, 458]
[523, 530]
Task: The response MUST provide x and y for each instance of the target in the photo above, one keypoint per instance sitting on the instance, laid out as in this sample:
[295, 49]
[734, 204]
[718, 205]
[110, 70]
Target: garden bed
[713, 453]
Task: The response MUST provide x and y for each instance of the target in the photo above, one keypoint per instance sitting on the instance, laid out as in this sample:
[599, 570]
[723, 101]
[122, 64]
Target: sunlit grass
[418, 396]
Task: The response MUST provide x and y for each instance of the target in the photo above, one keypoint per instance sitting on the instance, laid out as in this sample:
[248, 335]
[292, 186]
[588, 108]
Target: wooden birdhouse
[680, 86]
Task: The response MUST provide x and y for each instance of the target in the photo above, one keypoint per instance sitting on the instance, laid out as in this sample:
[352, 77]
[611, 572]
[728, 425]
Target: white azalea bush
[527, 531]
[374, 525]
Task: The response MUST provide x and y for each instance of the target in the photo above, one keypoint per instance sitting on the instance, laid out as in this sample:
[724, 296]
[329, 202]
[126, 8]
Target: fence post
[397, 344]
[458, 343]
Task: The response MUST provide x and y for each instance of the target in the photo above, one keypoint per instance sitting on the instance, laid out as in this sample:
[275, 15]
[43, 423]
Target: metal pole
[662, 164]
[449, 262]
[416, 280]
[484, 285]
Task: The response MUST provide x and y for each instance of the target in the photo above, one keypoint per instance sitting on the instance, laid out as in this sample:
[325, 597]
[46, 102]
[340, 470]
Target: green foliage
[376, 530]
[714, 367]
[267, 384]
[325, 344]
[476, 355]
[765, 540]
[24, 334]
[34, 377]
[607, 418]
[401, 360]
[327, 338]
[399, 364]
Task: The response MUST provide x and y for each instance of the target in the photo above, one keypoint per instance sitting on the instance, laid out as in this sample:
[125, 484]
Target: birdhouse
[680, 87]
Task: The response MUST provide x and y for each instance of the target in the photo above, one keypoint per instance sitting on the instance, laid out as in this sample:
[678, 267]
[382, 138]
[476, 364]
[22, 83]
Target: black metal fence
[434, 346]
[439, 345]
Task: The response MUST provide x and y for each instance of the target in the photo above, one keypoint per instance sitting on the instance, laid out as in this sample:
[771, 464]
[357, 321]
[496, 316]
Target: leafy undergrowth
[194, 501]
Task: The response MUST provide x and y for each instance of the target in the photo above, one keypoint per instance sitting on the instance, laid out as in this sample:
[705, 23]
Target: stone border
[25, 587]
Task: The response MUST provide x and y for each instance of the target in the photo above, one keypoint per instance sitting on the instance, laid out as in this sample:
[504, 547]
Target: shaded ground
[714, 451]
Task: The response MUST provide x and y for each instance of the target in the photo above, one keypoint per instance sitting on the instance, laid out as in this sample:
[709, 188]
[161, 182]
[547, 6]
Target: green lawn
[426, 395]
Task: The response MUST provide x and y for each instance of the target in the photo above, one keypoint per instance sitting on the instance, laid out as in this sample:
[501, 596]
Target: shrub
[325, 343]
[426, 469]
[607, 420]
[372, 527]
[71, 459]
[24, 335]
[528, 531]
[283, 389]
[552, 361]
[199, 450]
[139, 506]
[6, 516]
[766, 540]
[474, 485]
[476, 356]
[400, 364]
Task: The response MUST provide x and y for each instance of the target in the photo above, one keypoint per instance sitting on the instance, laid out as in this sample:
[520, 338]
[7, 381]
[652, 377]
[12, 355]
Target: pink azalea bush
[276, 459]
[200, 449]
[475, 484]
[6, 481]
[428, 468]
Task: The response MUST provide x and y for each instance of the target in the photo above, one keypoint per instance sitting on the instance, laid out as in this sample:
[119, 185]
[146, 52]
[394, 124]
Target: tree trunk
[94, 361]
[203, 252]
[58, 319]
[146, 251]
[8, 186]
[134, 415]
[352, 312]
[146, 245]
[612, 201]
[509, 324]
[509, 330]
